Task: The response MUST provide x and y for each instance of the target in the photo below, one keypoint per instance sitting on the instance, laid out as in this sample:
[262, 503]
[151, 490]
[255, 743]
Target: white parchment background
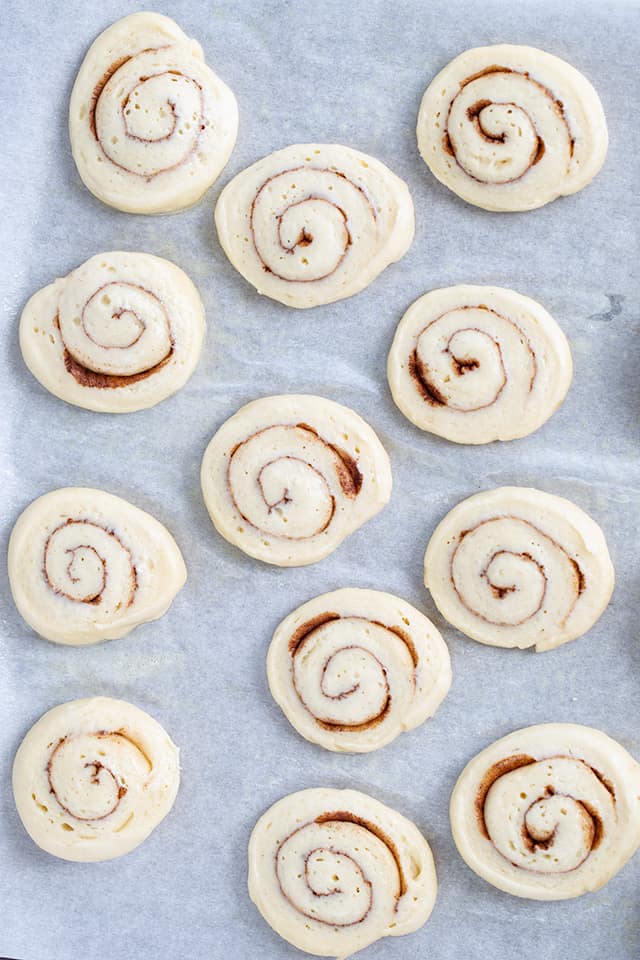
[351, 73]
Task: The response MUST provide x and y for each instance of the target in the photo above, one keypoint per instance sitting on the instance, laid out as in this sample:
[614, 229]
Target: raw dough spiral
[549, 812]
[516, 567]
[287, 478]
[334, 870]
[354, 668]
[475, 364]
[314, 223]
[93, 778]
[121, 332]
[151, 125]
[511, 128]
[86, 566]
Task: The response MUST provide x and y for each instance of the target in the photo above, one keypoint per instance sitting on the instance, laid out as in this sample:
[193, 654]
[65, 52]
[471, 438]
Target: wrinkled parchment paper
[353, 73]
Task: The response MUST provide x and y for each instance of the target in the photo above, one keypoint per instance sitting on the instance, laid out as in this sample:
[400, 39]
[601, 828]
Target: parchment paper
[352, 73]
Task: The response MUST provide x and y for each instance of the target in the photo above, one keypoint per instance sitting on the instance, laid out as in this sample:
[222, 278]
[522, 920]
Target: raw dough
[334, 870]
[314, 223]
[549, 812]
[516, 567]
[151, 125]
[93, 778]
[475, 364]
[121, 332]
[354, 668]
[86, 566]
[287, 478]
[511, 128]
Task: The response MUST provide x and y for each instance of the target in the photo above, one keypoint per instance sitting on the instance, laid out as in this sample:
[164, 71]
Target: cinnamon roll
[354, 668]
[334, 870]
[516, 567]
[151, 125]
[93, 778]
[549, 812]
[121, 332]
[287, 478]
[475, 364]
[511, 128]
[314, 223]
[86, 566]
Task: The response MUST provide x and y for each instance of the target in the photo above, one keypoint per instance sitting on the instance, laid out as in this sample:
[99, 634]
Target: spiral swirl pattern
[151, 124]
[93, 778]
[476, 364]
[516, 567]
[549, 812]
[86, 566]
[120, 333]
[334, 870]
[354, 668]
[314, 223]
[287, 478]
[511, 128]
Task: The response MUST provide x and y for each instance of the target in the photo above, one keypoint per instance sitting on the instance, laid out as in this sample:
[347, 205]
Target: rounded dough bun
[516, 567]
[314, 223]
[511, 128]
[549, 812]
[86, 566]
[287, 478]
[93, 778]
[151, 125]
[334, 870]
[353, 669]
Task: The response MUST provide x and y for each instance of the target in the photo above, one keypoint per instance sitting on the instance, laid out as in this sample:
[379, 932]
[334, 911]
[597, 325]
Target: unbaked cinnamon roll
[475, 364]
[549, 812]
[287, 478]
[334, 870]
[353, 669]
[151, 125]
[516, 567]
[121, 332]
[511, 128]
[86, 566]
[93, 778]
[314, 223]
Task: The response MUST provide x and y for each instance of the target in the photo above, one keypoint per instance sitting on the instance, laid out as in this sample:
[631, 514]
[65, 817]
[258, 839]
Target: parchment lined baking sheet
[352, 73]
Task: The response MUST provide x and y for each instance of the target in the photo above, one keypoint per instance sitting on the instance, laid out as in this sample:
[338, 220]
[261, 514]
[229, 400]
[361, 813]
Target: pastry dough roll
[121, 332]
[314, 223]
[354, 668]
[287, 478]
[516, 567]
[151, 125]
[549, 812]
[511, 128]
[93, 778]
[334, 870]
[86, 566]
[475, 364]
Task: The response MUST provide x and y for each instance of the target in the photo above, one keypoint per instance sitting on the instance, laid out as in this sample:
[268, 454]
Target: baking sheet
[352, 73]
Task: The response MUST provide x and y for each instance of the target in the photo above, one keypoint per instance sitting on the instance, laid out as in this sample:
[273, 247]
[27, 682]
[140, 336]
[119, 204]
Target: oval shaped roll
[516, 567]
[86, 566]
[287, 478]
[120, 333]
[93, 778]
[549, 812]
[476, 364]
[334, 870]
[314, 223]
[511, 128]
[354, 668]
[151, 125]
